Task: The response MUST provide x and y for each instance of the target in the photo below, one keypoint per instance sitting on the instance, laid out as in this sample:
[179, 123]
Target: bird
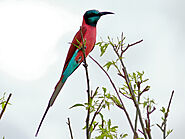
[75, 56]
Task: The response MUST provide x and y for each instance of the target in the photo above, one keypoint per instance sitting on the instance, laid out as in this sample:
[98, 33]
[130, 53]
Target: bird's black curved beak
[104, 13]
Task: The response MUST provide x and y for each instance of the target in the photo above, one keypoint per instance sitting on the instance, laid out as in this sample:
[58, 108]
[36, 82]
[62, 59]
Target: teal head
[91, 17]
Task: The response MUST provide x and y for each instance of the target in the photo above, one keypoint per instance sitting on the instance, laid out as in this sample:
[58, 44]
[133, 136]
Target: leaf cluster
[99, 100]
[108, 131]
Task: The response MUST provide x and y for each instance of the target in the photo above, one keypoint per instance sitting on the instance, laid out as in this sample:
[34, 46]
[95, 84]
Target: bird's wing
[76, 40]
[70, 54]
[60, 84]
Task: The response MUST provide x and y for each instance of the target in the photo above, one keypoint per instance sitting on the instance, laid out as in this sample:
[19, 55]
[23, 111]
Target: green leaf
[109, 123]
[108, 64]
[162, 118]
[146, 89]
[76, 45]
[135, 86]
[169, 131]
[163, 110]
[3, 104]
[145, 80]
[84, 128]
[108, 95]
[104, 89]
[110, 41]
[103, 48]
[108, 104]
[114, 128]
[76, 105]
[116, 101]
[152, 101]
[78, 41]
[123, 135]
[134, 76]
[101, 115]
[144, 104]
[99, 43]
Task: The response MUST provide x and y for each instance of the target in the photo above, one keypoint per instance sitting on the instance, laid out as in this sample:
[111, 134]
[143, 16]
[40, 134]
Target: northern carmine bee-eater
[75, 55]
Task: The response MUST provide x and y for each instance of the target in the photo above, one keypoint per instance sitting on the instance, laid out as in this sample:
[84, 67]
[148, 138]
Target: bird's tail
[51, 101]
[58, 87]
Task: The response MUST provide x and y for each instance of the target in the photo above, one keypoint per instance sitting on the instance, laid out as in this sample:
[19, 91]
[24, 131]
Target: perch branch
[88, 85]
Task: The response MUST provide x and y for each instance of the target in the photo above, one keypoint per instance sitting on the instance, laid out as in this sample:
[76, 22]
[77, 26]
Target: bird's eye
[91, 14]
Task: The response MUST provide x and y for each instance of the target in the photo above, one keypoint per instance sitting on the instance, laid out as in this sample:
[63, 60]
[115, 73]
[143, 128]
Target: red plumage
[89, 36]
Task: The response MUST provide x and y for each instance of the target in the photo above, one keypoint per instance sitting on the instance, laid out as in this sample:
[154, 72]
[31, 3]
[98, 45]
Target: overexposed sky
[29, 34]
[34, 40]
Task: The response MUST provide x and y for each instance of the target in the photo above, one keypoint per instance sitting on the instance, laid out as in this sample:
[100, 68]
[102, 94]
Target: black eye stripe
[91, 15]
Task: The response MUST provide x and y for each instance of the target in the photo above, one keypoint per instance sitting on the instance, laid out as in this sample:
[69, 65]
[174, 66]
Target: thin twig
[123, 106]
[125, 95]
[140, 131]
[70, 129]
[5, 106]
[168, 109]
[148, 129]
[97, 111]
[94, 126]
[129, 45]
[93, 95]
[166, 115]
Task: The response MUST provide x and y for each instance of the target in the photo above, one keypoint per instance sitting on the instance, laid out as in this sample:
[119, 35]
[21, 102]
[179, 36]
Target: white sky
[29, 35]
[34, 38]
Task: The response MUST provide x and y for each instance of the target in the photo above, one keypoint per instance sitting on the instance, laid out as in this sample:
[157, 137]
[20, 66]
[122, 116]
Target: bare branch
[166, 115]
[70, 129]
[168, 109]
[129, 45]
[140, 131]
